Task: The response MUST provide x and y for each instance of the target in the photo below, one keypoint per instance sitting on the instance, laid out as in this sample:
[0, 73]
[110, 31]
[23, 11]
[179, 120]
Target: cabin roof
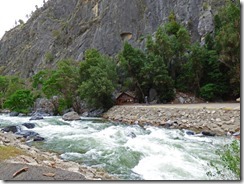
[129, 93]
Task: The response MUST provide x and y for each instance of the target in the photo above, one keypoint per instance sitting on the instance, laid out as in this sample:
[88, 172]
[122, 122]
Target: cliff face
[65, 29]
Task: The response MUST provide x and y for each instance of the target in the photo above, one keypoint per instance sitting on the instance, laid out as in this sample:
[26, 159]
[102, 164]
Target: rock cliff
[65, 29]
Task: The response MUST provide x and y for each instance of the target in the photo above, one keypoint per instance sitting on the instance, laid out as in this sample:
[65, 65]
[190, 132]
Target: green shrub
[62, 106]
[49, 57]
[56, 34]
[230, 157]
[39, 78]
[21, 21]
[8, 86]
[20, 101]
[4, 82]
[208, 92]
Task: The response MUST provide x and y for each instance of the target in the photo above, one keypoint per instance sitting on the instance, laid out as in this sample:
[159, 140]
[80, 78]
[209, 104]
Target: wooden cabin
[125, 98]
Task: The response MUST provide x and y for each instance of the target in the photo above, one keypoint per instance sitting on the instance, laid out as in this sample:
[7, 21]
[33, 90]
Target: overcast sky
[13, 10]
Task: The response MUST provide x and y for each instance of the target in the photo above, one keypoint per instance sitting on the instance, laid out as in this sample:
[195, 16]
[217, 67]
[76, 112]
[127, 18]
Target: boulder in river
[14, 114]
[236, 135]
[27, 133]
[29, 125]
[208, 133]
[30, 135]
[132, 135]
[189, 132]
[38, 138]
[71, 116]
[13, 129]
[36, 116]
[170, 123]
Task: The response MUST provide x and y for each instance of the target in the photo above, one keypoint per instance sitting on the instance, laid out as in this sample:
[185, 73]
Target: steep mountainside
[65, 29]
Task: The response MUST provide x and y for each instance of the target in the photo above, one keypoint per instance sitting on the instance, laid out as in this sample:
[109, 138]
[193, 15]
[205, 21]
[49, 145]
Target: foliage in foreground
[230, 157]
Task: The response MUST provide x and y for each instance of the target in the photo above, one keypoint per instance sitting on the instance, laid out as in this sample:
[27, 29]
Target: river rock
[27, 134]
[85, 114]
[13, 129]
[70, 116]
[14, 114]
[96, 113]
[153, 96]
[189, 132]
[38, 138]
[132, 135]
[68, 110]
[236, 135]
[167, 125]
[5, 111]
[44, 106]
[208, 133]
[29, 125]
[36, 116]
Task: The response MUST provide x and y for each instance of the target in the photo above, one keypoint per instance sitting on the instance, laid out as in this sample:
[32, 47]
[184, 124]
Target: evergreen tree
[155, 75]
[192, 71]
[171, 42]
[228, 42]
[132, 60]
[98, 79]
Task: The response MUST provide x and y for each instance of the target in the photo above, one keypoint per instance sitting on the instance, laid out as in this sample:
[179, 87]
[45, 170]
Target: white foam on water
[163, 161]
[171, 164]
[13, 120]
[163, 154]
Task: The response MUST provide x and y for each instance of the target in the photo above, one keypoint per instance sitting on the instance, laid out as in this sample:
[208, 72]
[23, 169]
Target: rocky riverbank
[212, 120]
[38, 161]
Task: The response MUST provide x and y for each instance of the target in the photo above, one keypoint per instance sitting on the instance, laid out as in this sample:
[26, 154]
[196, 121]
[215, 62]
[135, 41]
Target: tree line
[170, 62]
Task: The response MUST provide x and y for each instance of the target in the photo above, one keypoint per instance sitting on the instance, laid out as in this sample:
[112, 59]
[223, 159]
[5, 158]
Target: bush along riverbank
[200, 120]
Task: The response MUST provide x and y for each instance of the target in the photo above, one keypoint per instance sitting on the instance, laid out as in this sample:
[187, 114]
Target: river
[129, 152]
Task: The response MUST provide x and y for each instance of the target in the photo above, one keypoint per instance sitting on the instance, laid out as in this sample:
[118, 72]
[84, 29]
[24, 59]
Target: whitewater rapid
[129, 152]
